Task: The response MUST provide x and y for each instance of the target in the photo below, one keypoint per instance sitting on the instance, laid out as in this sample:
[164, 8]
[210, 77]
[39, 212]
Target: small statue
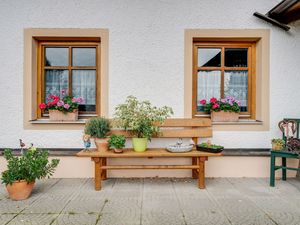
[87, 142]
[22, 145]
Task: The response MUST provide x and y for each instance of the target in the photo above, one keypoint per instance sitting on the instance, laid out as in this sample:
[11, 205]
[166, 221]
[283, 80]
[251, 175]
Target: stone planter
[19, 190]
[56, 115]
[223, 116]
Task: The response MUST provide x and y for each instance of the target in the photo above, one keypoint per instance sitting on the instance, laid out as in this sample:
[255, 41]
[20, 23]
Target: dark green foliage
[32, 165]
[116, 141]
[97, 127]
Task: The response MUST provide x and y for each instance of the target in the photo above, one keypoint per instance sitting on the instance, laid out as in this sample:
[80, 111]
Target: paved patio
[156, 201]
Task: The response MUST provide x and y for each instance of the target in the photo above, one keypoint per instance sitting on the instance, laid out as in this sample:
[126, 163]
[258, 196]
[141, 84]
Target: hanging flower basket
[223, 116]
[56, 115]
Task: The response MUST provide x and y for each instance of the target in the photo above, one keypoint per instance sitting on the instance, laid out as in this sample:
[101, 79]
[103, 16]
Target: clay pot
[118, 150]
[19, 190]
[56, 115]
[102, 144]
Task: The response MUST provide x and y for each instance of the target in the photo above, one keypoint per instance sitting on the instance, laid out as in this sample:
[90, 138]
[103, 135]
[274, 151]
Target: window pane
[236, 57]
[209, 85]
[236, 85]
[56, 56]
[84, 56]
[55, 82]
[84, 85]
[209, 57]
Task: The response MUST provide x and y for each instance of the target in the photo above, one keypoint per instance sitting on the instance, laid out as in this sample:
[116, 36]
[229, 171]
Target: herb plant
[97, 127]
[140, 117]
[208, 145]
[32, 165]
[116, 141]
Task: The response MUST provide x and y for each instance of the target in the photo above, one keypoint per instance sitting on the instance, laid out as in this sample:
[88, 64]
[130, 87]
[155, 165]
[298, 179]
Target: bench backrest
[181, 128]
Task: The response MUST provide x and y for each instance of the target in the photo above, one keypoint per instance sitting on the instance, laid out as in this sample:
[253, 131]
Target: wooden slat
[176, 133]
[149, 153]
[194, 122]
[149, 167]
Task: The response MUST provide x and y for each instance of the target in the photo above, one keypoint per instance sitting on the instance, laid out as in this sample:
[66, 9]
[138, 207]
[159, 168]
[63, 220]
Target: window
[72, 66]
[223, 69]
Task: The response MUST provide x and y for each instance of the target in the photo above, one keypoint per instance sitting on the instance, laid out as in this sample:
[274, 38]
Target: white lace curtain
[83, 84]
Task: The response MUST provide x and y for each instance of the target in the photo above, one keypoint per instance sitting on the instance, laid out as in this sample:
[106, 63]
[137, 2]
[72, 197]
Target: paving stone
[33, 219]
[4, 218]
[76, 219]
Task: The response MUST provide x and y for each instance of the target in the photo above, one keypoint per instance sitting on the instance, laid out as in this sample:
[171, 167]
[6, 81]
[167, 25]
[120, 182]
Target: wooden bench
[172, 128]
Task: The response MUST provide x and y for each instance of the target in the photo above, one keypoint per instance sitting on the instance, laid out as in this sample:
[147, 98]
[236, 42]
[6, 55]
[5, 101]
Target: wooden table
[101, 167]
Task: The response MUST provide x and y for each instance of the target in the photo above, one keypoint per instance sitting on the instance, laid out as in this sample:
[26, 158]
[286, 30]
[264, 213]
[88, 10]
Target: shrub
[97, 127]
[116, 141]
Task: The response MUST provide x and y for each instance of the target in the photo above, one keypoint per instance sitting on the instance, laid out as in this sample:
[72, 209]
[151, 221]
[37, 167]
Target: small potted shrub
[223, 110]
[209, 147]
[141, 119]
[62, 109]
[98, 128]
[23, 171]
[117, 143]
[277, 144]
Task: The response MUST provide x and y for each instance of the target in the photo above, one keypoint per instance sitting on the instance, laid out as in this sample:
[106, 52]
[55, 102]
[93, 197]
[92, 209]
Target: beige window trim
[262, 39]
[31, 37]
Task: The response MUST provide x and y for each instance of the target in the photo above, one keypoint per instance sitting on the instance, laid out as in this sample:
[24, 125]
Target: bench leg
[283, 170]
[272, 171]
[104, 172]
[98, 172]
[194, 171]
[201, 173]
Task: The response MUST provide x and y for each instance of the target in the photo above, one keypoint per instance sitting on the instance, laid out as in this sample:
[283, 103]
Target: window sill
[240, 122]
[47, 121]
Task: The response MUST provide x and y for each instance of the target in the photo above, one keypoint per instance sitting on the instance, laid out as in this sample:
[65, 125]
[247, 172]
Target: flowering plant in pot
[23, 171]
[141, 120]
[98, 128]
[117, 143]
[224, 110]
[62, 109]
[277, 144]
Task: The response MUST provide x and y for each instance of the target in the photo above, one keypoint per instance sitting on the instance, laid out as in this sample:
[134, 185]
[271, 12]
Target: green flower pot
[139, 144]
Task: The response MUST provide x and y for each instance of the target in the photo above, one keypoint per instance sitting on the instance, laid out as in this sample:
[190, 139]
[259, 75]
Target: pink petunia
[215, 106]
[213, 100]
[66, 106]
[203, 102]
[60, 103]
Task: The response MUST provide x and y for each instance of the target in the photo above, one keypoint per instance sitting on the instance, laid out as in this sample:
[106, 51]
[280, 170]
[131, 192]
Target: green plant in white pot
[141, 119]
[98, 128]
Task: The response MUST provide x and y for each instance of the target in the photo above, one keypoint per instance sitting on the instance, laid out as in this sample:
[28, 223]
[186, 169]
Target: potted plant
[23, 171]
[62, 109]
[277, 144]
[117, 143]
[141, 119]
[223, 110]
[209, 147]
[98, 128]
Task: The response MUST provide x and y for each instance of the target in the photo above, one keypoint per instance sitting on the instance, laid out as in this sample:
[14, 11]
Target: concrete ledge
[226, 152]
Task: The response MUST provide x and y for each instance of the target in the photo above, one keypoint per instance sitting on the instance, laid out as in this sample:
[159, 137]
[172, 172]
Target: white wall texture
[146, 57]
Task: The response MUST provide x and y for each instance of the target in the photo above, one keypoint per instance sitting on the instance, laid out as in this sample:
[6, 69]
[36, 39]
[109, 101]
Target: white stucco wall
[146, 57]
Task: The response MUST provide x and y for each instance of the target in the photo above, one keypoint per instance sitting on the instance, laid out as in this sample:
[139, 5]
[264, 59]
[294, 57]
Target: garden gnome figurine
[87, 142]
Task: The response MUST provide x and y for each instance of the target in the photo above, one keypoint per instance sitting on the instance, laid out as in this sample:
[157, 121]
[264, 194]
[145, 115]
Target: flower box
[222, 116]
[56, 115]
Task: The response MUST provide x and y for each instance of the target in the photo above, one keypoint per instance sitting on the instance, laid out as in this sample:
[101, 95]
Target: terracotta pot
[19, 190]
[56, 115]
[118, 150]
[102, 144]
[223, 116]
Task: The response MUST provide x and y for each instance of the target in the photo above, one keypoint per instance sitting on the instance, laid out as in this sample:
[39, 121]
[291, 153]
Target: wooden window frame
[67, 43]
[251, 46]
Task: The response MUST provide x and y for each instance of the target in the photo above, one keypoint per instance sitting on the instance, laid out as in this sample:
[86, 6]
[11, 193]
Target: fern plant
[97, 127]
[32, 165]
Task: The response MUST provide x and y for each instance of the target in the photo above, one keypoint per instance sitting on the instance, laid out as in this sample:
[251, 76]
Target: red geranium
[213, 100]
[203, 102]
[42, 106]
